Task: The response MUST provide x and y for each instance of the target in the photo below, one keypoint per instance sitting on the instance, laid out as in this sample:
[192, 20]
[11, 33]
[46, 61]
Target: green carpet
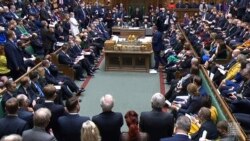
[131, 91]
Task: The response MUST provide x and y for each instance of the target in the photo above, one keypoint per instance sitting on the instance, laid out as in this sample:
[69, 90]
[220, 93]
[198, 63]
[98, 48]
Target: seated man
[183, 64]
[76, 63]
[64, 83]
[216, 73]
[179, 87]
[223, 130]
[207, 124]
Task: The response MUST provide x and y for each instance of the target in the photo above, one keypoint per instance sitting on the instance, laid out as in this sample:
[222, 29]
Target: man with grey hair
[12, 137]
[207, 124]
[24, 111]
[108, 122]
[157, 123]
[182, 127]
[37, 133]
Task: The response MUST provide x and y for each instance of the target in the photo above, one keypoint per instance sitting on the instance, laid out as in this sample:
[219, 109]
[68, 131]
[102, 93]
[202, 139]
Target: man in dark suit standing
[14, 58]
[11, 124]
[157, 123]
[108, 122]
[81, 15]
[182, 127]
[37, 133]
[56, 110]
[71, 124]
[157, 46]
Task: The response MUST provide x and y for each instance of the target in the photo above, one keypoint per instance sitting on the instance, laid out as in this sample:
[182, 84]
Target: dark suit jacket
[50, 78]
[44, 15]
[26, 116]
[80, 14]
[48, 38]
[157, 124]
[109, 125]
[6, 96]
[157, 41]
[177, 137]
[37, 134]
[64, 59]
[28, 92]
[70, 126]
[186, 63]
[13, 56]
[193, 105]
[57, 111]
[12, 125]
[243, 119]
[211, 129]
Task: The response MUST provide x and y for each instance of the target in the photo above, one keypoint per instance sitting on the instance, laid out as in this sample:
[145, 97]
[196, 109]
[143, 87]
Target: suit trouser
[16, 74]
[79, 71]
[69, 82]
[157, 59]
[239, 106]
[244, 121]
[170, 73]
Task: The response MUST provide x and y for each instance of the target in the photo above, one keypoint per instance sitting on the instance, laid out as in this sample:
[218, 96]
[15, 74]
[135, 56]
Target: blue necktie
[41, 94]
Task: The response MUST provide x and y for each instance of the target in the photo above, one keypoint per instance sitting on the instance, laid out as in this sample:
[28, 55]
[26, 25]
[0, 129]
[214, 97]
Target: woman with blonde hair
[90, 132]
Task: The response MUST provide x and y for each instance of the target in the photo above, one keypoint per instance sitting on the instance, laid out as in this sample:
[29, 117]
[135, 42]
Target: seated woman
[193, 104]
[229, 87]
[231, 73]
[4, 70]
[133, 133]
[217, 50]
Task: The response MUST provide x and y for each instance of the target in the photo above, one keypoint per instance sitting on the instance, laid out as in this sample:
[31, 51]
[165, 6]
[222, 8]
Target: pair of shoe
[80, 79]
[168, 83]
[80, 91]
[91, 74]
[95, 68]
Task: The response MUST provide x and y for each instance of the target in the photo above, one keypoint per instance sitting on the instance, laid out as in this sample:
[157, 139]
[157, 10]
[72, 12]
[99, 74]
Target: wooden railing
[28, 72]
[241, 134]
[223, 105]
